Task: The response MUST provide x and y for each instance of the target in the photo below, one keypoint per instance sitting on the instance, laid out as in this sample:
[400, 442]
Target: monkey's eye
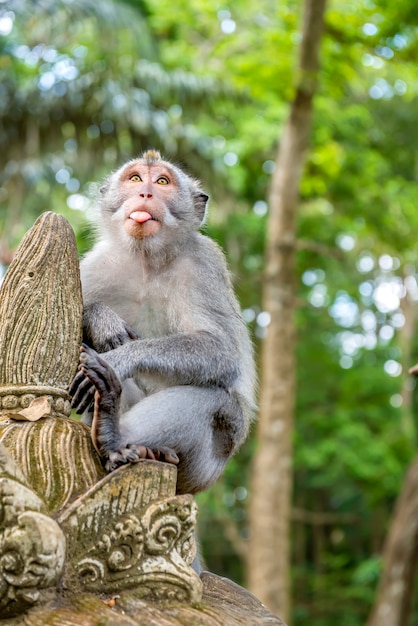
[162, 180]
[135, 178]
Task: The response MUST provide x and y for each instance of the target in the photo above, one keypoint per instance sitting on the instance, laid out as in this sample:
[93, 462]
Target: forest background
[86, 85]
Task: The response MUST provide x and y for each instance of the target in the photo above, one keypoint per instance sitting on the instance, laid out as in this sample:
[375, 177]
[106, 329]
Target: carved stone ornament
[139, 538]
[32, 545]
[40, 312]
[79, 547]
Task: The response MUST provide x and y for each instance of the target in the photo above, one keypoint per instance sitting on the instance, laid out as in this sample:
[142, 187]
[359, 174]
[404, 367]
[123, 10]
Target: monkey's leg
[105, 425]
[203, 425]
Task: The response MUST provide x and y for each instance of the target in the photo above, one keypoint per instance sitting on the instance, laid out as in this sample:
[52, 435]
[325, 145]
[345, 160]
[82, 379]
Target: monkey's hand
[105, 430]
[104, 329]
[82, 389]
[82, 392]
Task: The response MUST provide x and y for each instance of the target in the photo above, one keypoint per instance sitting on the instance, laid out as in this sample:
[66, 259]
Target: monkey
[166, 368]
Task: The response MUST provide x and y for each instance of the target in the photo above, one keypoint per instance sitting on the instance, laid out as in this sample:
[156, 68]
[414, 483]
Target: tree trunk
[270, 507]
[400, 559]
[400, 554]
[409, 308]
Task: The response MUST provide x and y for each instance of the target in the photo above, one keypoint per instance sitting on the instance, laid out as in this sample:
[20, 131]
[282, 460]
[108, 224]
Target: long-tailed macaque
[175, 376]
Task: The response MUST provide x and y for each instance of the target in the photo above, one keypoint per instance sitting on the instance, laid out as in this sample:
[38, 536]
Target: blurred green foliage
[84, 85]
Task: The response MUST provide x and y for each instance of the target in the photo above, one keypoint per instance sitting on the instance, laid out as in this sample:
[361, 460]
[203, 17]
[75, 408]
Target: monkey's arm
[199, 358]
[103, 329]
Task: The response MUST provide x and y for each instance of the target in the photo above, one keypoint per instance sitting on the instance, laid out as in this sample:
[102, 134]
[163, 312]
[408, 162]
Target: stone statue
[79, 546]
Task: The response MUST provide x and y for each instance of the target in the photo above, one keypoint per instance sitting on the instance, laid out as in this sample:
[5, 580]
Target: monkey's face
[153, 203]
[147, 191]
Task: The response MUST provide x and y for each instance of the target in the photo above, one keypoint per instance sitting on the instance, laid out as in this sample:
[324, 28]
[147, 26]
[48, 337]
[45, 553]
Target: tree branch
[320, 518]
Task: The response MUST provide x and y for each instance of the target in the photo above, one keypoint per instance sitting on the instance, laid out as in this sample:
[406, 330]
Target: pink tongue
[140, 216]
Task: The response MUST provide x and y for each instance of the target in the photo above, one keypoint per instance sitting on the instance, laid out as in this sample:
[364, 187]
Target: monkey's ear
[104, 187]
[200, 201]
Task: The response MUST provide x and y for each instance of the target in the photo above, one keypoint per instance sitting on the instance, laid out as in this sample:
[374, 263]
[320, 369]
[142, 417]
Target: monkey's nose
[145, 195]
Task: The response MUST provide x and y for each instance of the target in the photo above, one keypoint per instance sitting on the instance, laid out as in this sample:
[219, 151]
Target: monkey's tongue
[140, 216]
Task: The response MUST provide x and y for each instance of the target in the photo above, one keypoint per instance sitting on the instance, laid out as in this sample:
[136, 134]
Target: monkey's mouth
[140, 217]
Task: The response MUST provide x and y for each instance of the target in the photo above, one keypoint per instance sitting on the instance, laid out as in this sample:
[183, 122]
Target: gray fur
[189, 375]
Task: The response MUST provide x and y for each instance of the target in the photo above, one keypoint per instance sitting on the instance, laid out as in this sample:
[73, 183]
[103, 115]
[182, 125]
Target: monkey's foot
[133, 453]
